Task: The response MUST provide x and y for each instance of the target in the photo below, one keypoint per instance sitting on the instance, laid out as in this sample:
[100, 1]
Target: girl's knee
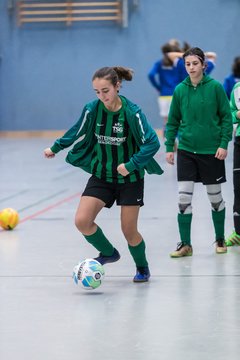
[82, 223]
[130, 233]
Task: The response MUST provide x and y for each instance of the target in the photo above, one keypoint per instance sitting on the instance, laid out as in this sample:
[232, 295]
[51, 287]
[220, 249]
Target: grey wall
[46, 70]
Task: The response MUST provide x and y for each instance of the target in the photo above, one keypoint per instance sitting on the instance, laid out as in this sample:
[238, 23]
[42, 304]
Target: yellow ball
[9, 218]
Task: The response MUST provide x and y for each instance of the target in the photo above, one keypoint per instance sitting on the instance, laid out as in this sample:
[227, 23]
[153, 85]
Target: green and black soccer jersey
[115, 145]
[127, 138]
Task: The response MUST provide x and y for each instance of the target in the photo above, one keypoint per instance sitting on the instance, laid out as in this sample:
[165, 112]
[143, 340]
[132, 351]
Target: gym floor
[188, 310]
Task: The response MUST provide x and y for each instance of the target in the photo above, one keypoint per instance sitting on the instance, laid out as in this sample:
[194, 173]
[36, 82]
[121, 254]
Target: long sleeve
[147, 141]
[235, 105]
[173, 123]
[153, 74]
[71, 135]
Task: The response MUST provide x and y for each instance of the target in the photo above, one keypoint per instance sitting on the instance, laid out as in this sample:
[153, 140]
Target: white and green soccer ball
[89, 273]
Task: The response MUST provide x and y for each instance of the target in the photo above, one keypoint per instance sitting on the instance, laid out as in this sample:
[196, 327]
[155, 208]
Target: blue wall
[46, 70]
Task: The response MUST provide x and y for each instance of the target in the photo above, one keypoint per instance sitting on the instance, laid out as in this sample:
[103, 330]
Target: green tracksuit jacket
[235, 106]
[84, 133]
[200, 116]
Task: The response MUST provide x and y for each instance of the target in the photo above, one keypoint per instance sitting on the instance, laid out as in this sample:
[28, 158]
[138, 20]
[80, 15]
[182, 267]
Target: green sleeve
[72, 134]
[233, 105]
[173, 123]
[147, 141]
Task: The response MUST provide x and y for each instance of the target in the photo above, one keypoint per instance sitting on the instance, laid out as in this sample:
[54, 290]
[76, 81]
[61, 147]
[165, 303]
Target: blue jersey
[229, 83]
[164, 78]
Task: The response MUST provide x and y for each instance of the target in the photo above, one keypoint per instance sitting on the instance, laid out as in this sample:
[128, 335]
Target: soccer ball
[89, 273]
[9, 218]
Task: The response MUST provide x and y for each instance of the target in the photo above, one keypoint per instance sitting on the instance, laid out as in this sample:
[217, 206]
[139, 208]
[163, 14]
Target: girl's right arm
[173, 55]
[69, 137]
[173, 123]
[48, 153]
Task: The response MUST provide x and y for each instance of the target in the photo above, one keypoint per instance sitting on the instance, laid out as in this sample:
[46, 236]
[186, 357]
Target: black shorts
[203, 168]
[124, 194]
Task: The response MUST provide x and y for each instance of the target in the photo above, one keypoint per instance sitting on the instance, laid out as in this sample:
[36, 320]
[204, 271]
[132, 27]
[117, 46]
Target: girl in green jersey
[200, 115]
[115, 143]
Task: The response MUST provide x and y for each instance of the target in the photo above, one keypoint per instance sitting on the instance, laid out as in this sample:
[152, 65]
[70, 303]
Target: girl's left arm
[147, 141]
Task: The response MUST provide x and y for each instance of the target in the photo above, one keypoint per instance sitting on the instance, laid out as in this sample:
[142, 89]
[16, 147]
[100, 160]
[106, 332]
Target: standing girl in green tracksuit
[115, 144]
[200, 114]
